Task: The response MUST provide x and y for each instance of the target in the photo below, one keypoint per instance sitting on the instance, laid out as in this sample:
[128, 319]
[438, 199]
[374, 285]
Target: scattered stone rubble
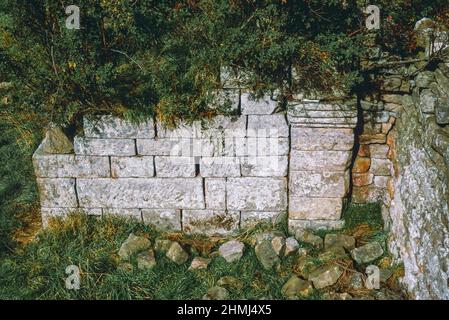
[317, 271]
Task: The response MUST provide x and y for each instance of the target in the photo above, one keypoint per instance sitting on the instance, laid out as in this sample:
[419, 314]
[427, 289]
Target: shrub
[163, 58]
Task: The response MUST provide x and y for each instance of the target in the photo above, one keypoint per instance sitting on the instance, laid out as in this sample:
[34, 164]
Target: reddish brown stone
[361, 165]
[362, 179]
[373, 138]
[386, 127]
[365, 194]
[391, 138]
[364, 151]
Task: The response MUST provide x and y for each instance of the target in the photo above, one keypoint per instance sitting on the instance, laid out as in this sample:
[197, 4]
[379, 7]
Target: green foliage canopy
[163, 58]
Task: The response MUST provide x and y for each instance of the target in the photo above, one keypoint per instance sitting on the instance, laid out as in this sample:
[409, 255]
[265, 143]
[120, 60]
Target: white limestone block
[320, 160]
[132, 167]
[70, 166]
[57, 192]
[264, 166]
[274, 125]
[253, 105]
[315, 208]
[256, 194]
[111, 127]
[175, 166]
[104, 147]
[163, 146]
[215, 189]
[153, 193]
[220, 167]
[314, 139]
[319, 184]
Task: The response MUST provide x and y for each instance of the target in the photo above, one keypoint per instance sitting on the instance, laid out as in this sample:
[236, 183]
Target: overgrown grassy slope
[18, 196]
[37, 270]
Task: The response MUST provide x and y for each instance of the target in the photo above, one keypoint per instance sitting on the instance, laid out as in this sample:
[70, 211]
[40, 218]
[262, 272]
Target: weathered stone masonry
[403, 163]
[212, 178]
[261, 165]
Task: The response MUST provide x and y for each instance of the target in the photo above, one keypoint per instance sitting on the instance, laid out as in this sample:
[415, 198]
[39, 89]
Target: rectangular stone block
[314, 139]
[297, 108]
[257, 147]
[162, 147]
[222, 146]
[57, 193]
[274, 125]
[324, 121]
[224, 126]
[215, 189]
[183, 130]
[320, 160]
[373, 138]
[124, 213]
[53, 165]
[264, 166]
[206, 147]
[362, 179]
[319, 114]
[185, 147]
[381, 182]
[315, 208]
[323, 125]
[104, 147]
[210, 222]
[175, 166]
[315, 225]
[70, 166]
[318, 184]
[111, 127]
[153, 193]
[220, 167]
[380, 167]
[253, 105]
[132, 167]
[250, 219]
[163, 219]
[257, 194]
[379, 151]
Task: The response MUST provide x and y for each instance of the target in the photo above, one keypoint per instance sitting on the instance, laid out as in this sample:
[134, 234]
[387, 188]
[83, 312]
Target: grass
[37, 270]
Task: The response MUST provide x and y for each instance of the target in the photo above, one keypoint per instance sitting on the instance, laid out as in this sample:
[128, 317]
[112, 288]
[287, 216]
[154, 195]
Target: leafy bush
[163, 58]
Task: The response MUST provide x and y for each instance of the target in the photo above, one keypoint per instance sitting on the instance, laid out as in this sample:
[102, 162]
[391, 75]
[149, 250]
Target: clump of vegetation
[38, 271]
[18, 197]
[163, 58]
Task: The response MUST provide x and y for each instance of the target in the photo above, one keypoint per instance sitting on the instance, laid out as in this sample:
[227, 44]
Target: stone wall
[391, 147]
[402, 162]
[322, 140]
[209, 178]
